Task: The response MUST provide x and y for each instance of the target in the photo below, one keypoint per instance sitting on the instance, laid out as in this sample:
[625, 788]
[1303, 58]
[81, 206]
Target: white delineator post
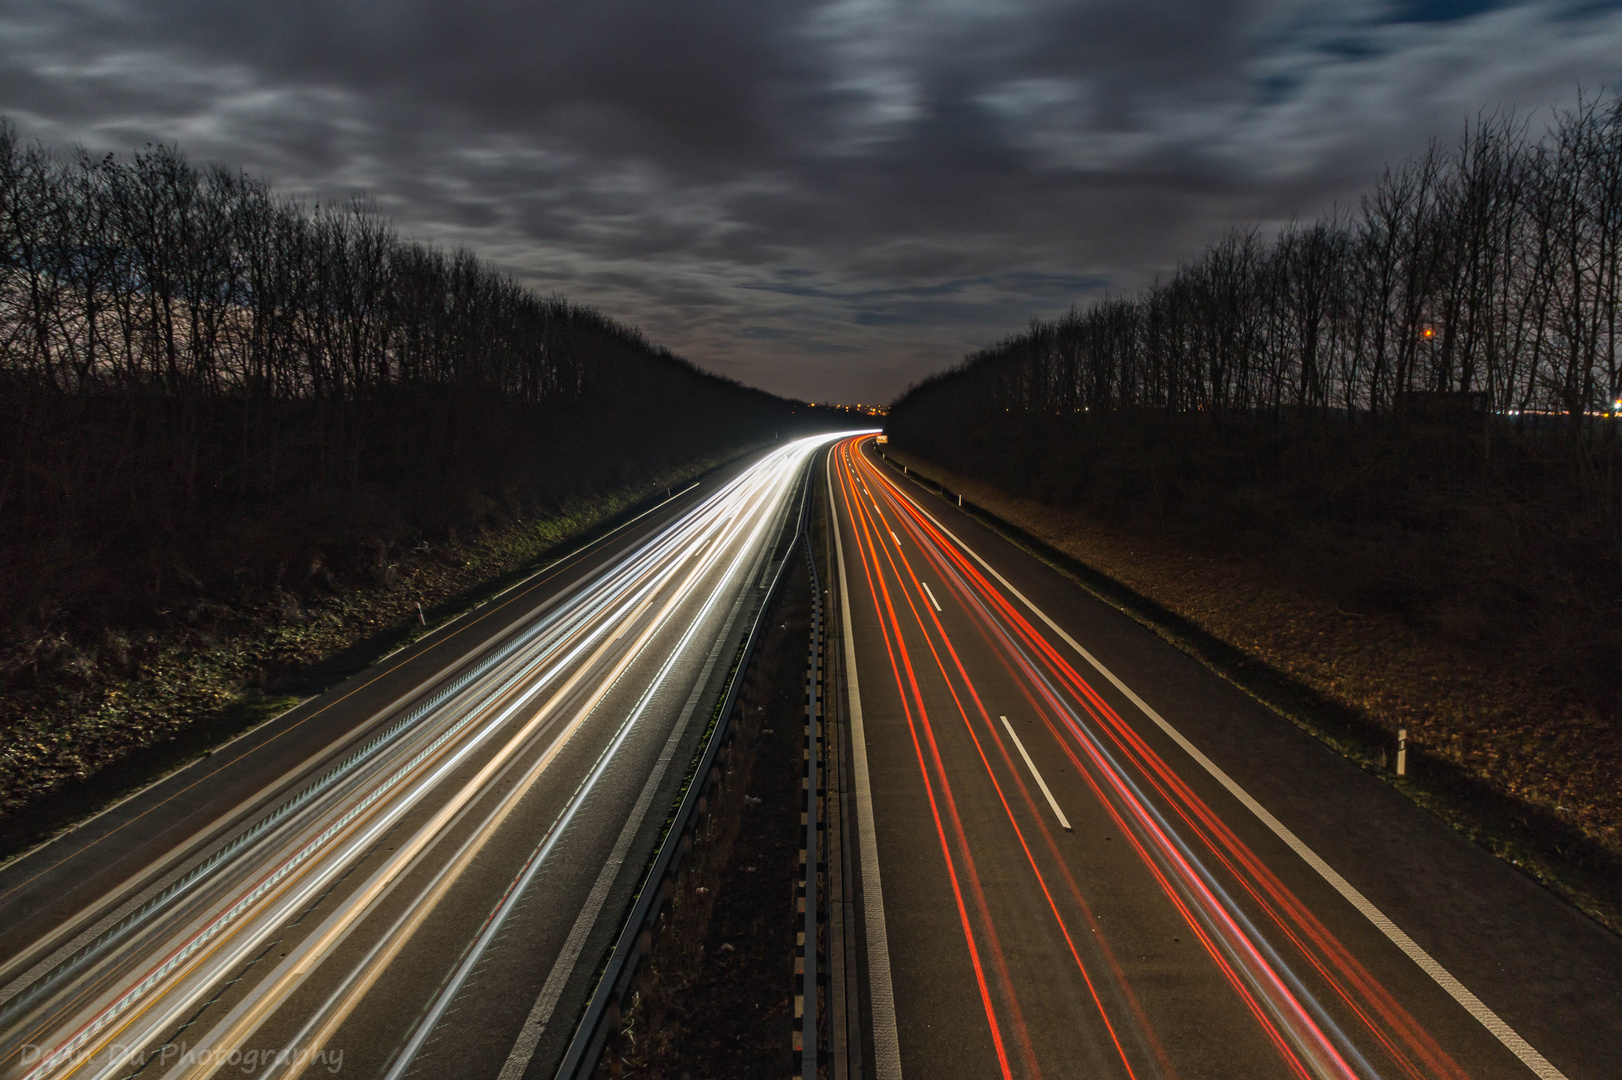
[1402, 751]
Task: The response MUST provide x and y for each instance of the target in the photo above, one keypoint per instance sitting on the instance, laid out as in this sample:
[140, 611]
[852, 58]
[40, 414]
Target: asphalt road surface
[417, 873]
[1085, 855]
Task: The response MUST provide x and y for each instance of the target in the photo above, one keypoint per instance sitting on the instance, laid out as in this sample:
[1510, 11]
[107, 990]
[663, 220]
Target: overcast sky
[825, 199]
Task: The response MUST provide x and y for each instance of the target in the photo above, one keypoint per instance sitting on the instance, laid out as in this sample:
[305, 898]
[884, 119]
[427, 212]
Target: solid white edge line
[881, 993]
[1488, 1019]
[931, 595]
[1041, 783]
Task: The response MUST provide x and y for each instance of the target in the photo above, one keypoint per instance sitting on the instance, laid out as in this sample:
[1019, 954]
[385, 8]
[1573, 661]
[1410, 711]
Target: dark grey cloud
[828, 199]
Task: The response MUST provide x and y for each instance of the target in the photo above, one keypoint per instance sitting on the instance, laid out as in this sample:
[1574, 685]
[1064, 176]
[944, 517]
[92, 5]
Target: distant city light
[857, 408]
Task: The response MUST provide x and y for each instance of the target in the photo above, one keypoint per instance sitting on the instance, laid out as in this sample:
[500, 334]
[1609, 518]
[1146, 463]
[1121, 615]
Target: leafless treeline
[1490, 267]
[197, 373]
[151, 274]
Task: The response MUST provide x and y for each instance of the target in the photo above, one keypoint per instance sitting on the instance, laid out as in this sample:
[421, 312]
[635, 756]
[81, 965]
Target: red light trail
[1260, 937]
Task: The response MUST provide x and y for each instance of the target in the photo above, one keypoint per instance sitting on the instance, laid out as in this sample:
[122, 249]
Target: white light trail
[657, 596]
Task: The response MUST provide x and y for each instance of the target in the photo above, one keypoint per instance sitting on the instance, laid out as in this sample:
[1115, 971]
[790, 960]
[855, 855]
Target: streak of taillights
[898, 563]
[1307, 1038]
[911, 699]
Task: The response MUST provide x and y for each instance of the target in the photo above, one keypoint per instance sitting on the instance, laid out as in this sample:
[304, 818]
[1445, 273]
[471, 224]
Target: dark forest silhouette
[202, 382]
[1488, 269]
[1414, 405]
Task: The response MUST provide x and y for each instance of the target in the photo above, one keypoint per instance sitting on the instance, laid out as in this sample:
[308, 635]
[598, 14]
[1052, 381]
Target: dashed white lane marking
[931, 595]
[1041, 783]
[1540, 1066]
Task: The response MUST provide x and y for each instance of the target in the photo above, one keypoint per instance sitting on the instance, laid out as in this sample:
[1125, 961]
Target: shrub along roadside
[82, 722]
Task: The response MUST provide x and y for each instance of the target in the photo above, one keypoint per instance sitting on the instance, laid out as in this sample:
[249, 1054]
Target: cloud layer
[826, 199]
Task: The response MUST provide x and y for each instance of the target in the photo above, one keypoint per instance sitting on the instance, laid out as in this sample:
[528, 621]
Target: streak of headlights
[128, 999]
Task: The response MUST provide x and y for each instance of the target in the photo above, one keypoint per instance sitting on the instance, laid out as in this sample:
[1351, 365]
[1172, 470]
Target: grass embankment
[1525, 765]
[84, 721]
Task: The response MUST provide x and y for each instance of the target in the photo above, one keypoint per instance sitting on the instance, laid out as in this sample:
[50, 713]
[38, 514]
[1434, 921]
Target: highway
[1084, 855]
[416, 874]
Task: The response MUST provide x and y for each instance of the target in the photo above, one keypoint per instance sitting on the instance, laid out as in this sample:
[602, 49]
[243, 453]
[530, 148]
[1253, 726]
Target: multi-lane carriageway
[1082, 855]
[429, 891]
[1074, 852]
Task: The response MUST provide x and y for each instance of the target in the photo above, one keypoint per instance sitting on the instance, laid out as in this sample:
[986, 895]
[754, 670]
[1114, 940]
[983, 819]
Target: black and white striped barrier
[808, 937]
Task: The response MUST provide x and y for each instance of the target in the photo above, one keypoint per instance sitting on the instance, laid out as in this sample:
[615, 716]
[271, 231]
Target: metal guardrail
[811, 858]
[635, 939]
